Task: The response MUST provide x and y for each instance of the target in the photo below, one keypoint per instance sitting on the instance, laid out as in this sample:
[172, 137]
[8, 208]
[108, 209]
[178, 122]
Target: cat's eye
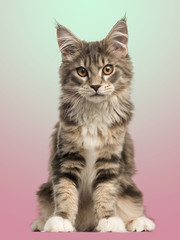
[82, 72]
[108, 69]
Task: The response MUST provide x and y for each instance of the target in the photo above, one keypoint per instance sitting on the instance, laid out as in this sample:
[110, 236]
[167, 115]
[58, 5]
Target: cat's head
[95, 71]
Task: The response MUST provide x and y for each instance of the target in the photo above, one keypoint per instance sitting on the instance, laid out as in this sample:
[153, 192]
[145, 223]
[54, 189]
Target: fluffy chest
[94, 135]
[89, 172]
[91, 140]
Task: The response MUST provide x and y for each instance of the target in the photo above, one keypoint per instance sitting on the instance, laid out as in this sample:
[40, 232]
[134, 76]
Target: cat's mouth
[97, 95]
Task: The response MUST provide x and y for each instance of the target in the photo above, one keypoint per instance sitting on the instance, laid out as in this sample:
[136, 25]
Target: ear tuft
[124, 19]
[67, 41]
[117, 39]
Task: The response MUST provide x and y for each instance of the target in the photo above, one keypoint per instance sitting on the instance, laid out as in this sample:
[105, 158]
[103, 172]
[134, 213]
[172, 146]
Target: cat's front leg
[105, 195]
[66, 175]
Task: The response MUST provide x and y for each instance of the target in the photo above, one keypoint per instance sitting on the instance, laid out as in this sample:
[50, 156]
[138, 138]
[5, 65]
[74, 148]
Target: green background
[30, 56]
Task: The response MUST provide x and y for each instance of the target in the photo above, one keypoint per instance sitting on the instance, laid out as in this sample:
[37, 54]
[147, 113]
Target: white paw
[141, 224]
[58, 224]
[112, 224]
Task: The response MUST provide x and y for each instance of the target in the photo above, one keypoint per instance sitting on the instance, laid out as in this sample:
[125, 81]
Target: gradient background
[29, 92]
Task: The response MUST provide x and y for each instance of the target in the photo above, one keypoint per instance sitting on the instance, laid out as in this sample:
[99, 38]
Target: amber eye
[108, 69]
[82, 72]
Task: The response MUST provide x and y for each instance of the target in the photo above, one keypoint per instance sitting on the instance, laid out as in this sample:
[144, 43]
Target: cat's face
[95, 70]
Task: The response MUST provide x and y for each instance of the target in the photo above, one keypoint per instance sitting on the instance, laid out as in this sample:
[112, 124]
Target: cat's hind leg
[131, 210]
[45, 200]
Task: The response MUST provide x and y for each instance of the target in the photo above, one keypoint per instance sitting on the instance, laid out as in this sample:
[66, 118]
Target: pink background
[29, 94]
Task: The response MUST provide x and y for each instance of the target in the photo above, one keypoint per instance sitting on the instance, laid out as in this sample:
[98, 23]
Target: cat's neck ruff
[106, 113]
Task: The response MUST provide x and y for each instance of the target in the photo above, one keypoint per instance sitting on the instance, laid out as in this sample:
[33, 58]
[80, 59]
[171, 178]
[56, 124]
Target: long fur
[92, 157]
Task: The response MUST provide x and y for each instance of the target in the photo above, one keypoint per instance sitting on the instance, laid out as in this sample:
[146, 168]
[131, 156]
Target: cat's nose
[95, 87]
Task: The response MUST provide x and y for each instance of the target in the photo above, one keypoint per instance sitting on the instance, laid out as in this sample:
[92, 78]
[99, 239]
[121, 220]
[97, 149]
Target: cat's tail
[46, 206]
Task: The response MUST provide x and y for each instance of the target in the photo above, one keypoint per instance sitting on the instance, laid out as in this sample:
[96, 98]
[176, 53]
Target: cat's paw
[111, 224]
[58, 224]
[141, 224]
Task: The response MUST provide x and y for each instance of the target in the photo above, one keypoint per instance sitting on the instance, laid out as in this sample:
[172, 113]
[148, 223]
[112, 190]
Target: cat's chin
[97, 98]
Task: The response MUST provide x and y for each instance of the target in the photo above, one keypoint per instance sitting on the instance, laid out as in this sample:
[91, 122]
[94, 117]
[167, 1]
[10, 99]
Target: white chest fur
[90, 142]
[89, 172]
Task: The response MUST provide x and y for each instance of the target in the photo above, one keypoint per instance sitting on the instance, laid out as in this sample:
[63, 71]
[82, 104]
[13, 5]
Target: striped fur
[92, 157]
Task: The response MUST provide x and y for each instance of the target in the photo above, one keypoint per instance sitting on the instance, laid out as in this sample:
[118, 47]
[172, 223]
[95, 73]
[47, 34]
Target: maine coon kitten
[91, 163]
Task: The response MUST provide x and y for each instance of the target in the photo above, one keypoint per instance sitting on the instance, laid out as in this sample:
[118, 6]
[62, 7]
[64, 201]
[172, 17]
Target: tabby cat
[92, 159]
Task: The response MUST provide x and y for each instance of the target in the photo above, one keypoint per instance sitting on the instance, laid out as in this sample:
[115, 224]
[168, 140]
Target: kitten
[92, 160]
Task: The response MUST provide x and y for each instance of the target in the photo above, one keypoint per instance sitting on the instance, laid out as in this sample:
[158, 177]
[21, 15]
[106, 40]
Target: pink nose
[95, 87]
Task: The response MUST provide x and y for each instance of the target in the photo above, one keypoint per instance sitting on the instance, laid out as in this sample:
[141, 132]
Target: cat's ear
[67, 41]
[117, 39]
